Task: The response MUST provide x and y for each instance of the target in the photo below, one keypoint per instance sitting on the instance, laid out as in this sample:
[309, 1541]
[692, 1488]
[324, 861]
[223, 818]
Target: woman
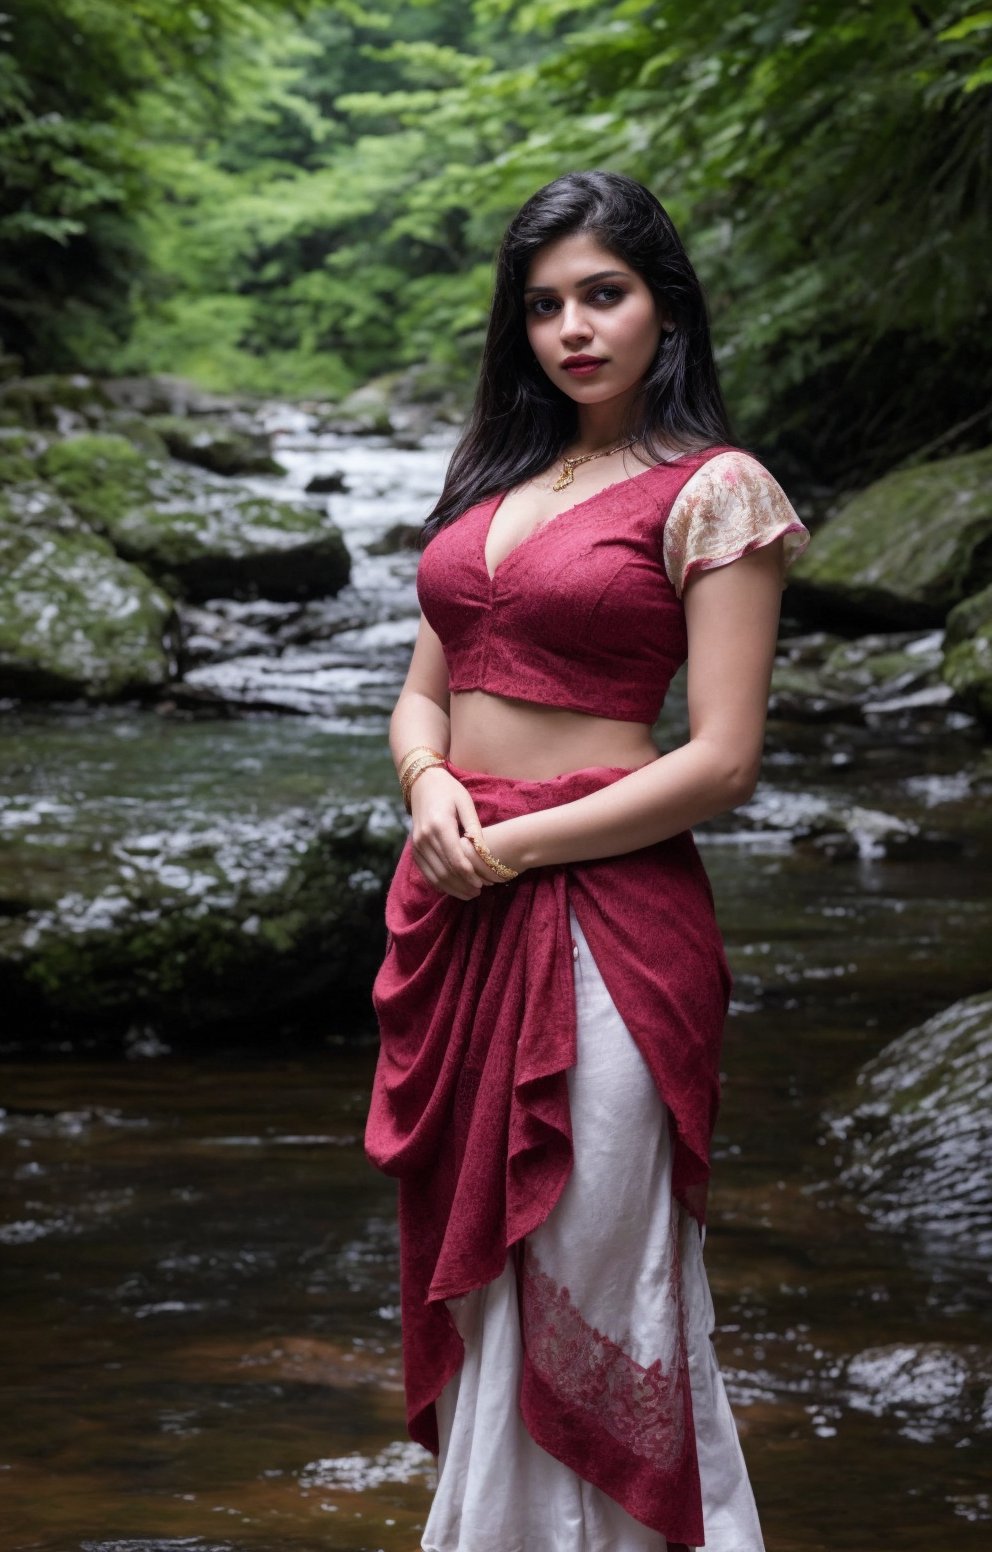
[553, 995]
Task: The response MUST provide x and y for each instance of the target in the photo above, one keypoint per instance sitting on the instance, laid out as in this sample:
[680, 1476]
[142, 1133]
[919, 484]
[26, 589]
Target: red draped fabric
[476, 1008]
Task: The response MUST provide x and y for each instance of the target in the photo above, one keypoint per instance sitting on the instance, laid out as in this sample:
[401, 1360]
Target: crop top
[586, 612]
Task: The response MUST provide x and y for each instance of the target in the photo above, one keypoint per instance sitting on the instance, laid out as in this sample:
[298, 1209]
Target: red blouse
[586, 613]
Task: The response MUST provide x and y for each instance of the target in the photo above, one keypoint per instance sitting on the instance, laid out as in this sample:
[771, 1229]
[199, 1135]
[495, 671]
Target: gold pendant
[566, 477]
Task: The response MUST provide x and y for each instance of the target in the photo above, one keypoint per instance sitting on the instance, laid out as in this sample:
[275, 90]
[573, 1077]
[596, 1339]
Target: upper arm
[736, 537]
[428, 671]
[732, 616]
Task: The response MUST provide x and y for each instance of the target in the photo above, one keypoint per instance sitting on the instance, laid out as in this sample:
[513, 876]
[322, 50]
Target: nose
[574, 327]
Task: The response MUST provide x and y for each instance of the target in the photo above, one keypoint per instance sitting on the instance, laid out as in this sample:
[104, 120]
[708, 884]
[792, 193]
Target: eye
[608, 293]
[542, 306]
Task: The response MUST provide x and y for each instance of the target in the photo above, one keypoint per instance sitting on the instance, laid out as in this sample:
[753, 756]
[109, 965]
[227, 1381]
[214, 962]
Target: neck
[601, 425]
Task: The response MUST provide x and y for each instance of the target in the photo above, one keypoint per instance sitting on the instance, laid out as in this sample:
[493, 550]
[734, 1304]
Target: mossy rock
[824, 677]
[53, 402]
[917, 1128]
[193, 904]
[139, 432]
[200, 539]
[967, 666]
[211, 444]
[905, 550]
[368, 411]
[20, 451]
[400, 537]
[75, 619]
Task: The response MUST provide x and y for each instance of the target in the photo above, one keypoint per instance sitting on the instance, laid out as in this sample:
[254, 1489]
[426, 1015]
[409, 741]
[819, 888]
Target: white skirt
[608, 1241]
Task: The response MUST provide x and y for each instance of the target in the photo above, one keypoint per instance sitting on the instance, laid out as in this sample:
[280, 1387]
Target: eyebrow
[600, 275]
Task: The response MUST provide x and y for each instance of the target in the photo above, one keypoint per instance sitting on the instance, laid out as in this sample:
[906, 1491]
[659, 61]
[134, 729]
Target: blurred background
[245, 262]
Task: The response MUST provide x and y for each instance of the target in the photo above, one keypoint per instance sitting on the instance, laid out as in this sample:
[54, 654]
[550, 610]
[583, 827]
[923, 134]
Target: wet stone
[201, 539]
[916, 1130]
[212, 444]
[75, 619]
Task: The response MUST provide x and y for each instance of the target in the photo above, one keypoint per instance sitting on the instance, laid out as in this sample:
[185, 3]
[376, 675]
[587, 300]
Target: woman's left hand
[499, 839]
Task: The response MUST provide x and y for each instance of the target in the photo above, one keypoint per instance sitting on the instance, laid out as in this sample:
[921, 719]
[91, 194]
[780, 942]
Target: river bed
[200, 1343]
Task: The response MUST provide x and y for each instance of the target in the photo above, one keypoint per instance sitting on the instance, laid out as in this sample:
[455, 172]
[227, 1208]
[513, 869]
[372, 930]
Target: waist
[526, 741]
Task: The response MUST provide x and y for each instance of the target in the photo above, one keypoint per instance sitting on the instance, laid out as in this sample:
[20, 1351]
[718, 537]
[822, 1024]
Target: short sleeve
[730, 506]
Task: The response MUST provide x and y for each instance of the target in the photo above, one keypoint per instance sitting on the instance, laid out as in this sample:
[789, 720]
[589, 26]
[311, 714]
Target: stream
[200, 1342]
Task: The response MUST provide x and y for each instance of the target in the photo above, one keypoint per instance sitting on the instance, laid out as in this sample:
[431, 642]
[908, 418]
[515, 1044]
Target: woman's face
[592, 322]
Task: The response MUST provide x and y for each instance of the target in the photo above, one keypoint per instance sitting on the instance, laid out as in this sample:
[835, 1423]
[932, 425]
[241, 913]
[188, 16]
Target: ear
[665, 319]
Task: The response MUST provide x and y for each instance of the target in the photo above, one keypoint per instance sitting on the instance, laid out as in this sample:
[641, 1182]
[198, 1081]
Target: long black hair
[521, 421]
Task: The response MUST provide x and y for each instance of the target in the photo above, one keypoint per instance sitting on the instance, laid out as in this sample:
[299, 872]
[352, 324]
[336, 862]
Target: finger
[468, 818]
[479, 867]
[449, 845]
[463, 885]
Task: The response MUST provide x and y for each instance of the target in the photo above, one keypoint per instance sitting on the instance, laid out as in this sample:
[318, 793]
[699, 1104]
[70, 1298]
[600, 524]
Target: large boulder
[75, 619]
[904, 551]
[200, 538]
[185, 876]
[215, 445]
[967, 665]
[917, 1129]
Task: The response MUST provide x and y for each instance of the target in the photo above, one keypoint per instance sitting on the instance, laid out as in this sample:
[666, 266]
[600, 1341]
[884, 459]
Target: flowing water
[200, 1343]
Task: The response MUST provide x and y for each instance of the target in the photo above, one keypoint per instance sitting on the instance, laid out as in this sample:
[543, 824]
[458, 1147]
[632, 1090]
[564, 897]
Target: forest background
[293, 197]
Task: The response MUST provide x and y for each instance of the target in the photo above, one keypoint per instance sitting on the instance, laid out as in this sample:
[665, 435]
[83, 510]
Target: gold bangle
[412, 754]
[413, 770]
[501, 869]
[416, 770]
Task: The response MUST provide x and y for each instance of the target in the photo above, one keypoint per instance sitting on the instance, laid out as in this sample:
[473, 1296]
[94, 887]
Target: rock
[926, 1389]
[75, 619]
[401, 536]
[842, 832]
[821, 677]
[916, 1129]
[139, 433]
[19, 454]
[57, 403]
[201, 539]
[367, 411]
[331, 484]
[161, 393]
[905, 550]
[230, 628]
[213, 445]
[967, 666]
[231, 886]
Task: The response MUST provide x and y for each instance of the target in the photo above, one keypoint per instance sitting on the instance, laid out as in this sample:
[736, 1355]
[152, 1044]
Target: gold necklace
[569, 465]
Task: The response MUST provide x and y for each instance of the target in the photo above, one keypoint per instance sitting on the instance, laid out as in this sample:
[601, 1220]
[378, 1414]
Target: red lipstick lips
[582, 366]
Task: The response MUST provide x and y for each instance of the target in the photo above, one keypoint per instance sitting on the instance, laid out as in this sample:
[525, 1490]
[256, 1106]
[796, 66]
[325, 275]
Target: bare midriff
[529, 742]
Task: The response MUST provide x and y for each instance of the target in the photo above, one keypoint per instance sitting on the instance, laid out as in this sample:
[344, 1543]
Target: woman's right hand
[442, 812]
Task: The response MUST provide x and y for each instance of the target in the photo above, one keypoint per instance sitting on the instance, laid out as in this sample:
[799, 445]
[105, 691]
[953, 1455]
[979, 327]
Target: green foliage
[295, 199]
[77, 174]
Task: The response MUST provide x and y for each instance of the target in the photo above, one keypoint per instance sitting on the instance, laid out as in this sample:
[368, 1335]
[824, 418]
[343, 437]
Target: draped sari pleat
[470, 1109]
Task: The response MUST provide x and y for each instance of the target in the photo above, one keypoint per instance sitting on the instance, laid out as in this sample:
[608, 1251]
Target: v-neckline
[550, 521]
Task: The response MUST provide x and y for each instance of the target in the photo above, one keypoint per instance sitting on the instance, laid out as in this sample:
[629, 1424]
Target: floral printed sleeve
[729, 507]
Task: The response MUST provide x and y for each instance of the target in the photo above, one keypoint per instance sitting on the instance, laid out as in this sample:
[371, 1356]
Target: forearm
[417, 719]
[671, 794]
